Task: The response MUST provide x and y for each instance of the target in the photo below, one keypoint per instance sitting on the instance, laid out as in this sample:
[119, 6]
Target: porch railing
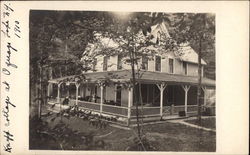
[192, 108]
[167, 110]
[146, 111]
[123, 111]
[108, 109]
[89, 105]
[177, 109]
[117, 110]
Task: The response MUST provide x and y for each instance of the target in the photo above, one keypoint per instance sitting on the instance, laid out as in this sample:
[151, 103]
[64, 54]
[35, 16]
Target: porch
[122, 113]
[160, 99]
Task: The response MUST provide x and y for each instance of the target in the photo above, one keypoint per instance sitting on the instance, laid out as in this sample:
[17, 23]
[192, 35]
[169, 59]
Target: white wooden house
[168, 84]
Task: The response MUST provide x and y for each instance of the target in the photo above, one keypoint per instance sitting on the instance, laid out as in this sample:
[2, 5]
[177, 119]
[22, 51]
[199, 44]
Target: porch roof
[143, 76]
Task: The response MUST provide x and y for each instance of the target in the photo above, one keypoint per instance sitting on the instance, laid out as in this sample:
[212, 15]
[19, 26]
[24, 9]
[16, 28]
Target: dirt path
[181, 121]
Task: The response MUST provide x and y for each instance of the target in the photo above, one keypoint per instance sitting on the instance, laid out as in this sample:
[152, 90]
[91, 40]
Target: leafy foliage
[61, 136]
[198, 30]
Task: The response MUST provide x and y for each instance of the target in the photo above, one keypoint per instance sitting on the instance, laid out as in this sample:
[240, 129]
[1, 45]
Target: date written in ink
[17, 30]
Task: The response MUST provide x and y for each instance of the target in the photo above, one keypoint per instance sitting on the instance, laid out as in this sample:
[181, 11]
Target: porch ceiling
[144, 76]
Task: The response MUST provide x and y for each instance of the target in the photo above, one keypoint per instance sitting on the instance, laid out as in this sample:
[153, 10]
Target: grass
[205, 122]
[178, 137]
[163, 137]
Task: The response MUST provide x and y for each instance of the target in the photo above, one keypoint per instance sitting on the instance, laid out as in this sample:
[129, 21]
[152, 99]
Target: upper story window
[171, 65]
[105, 63]
[157, 63]
[94, 64]
[185, 69]
[144, 64]
[119, 62]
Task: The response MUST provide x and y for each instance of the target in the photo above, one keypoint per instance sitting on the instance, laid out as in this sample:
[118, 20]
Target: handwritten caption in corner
[11, 30]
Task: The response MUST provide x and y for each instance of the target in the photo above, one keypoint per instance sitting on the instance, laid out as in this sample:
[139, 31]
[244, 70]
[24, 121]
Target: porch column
[186, 88]
[101, 104]
[204, 88]
[67, 84]
[162, 88]
[58, 92]
[49, 89]
[130, 100]
[77, 88]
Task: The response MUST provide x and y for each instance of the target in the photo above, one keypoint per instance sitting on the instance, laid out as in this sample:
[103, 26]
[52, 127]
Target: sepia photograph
[122, 81]
[124, 77]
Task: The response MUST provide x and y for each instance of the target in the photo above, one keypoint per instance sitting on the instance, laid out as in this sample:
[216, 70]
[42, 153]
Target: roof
[189, 55]
[187, 52]
[144, 77]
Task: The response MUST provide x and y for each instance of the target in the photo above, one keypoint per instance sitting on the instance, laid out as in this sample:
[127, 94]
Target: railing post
[162, 88]
[186, 88]
[130, 100]
[101, 104]
[58, 96]
[58, 92]
[68, 85]
[161, 100]
[49, 88]
[186, 101]
[77, 87]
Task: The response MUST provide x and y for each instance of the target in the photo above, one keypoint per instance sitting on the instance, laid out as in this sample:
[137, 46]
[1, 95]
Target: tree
[130, 38]
[58, 38]
[199, 31]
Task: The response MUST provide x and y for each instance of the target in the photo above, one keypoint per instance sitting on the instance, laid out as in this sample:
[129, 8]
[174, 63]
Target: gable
[187, 52]
[189, 55]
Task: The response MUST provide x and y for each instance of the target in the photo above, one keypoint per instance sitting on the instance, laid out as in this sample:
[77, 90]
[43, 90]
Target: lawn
[178, 137]
[205, 122]
[163, 137]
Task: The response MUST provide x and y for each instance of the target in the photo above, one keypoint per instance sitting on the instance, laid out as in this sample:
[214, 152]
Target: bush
[60, 137]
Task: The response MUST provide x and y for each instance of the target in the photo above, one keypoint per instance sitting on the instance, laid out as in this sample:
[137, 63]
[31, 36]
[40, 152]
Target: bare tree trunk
[199, 82]
[40, 92]
[134, 92]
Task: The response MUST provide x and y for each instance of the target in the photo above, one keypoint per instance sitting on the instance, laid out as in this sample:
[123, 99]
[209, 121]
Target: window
[119, 62]
[105, 63]
[94, 64]
[171, 65]
[184, 64]
[157, 63]
[118, 94]
[144, 64]
[158, 39]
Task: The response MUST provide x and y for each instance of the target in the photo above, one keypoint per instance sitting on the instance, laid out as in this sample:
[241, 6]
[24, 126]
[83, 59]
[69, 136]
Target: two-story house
[167, 83]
